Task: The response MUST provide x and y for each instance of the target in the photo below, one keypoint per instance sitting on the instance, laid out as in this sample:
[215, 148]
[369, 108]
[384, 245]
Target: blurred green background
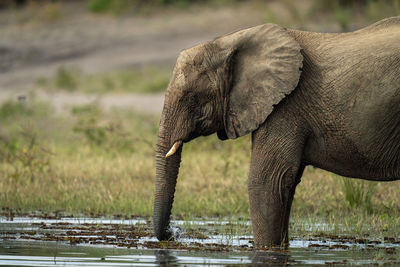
[299, 13]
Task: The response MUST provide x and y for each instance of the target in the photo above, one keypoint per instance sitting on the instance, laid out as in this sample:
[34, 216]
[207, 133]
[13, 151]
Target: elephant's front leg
[274, 173]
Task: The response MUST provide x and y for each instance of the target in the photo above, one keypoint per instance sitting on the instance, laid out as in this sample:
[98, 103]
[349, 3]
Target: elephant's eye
[192, 103]
[189, 101]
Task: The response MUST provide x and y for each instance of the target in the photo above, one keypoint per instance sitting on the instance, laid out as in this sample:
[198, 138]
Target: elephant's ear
[265, 67]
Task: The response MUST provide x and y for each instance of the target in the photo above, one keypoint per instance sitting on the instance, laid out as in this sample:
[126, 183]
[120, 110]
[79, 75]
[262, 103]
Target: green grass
[347, 12]
[358, 194]
[95, 162]
[37, 12]
[341, 11]
[124, 6]
[113, 6]
[51, 166]
[356, 224]
[347, 15]
[69, 79]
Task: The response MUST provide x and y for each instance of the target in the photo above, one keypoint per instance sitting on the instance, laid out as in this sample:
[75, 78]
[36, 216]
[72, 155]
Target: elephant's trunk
[166, 174]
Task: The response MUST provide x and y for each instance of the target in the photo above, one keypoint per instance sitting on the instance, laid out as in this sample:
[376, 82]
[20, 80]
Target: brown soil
[97, 43]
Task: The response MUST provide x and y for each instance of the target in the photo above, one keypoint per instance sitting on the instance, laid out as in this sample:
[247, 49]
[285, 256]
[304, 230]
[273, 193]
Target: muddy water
[27, 241]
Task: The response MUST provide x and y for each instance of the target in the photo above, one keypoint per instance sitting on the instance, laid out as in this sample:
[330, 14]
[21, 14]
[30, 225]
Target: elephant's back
[338, 54]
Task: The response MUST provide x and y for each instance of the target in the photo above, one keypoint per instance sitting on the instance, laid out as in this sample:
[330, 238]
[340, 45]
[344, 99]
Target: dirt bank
[97, 43]
[32, 48]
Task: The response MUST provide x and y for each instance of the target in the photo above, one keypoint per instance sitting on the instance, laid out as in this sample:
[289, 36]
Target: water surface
[27, 241]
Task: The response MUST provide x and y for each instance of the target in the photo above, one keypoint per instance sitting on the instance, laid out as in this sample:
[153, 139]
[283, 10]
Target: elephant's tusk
[174, 148]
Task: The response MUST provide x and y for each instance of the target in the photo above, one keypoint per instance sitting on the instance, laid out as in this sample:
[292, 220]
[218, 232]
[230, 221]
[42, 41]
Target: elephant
[329, 100]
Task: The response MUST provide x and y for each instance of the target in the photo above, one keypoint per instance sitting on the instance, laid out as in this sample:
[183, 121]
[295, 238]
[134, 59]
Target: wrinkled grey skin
[327, 100]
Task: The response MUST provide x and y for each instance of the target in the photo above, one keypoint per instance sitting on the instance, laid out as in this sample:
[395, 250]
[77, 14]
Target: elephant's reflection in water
[271, 258]
[166, 257]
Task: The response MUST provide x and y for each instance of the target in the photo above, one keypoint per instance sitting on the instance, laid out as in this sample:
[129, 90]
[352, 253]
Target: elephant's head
[228, 86]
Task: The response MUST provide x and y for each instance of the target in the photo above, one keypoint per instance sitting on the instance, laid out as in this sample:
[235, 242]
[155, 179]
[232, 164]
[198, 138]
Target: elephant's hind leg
[275, 171]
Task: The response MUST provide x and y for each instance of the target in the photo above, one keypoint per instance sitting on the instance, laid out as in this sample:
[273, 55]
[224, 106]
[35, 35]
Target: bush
[99, 131]
[66, 79]
[24, 155]
[358, 194]
[12, 108]
[88, 124]
[99, 5]
[115, 6]
[24, 107]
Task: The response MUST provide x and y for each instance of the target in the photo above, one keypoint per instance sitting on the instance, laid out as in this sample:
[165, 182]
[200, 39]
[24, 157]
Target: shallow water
[103, 242]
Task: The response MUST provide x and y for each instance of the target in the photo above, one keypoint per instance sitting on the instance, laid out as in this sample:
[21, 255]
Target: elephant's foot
[270, 210]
